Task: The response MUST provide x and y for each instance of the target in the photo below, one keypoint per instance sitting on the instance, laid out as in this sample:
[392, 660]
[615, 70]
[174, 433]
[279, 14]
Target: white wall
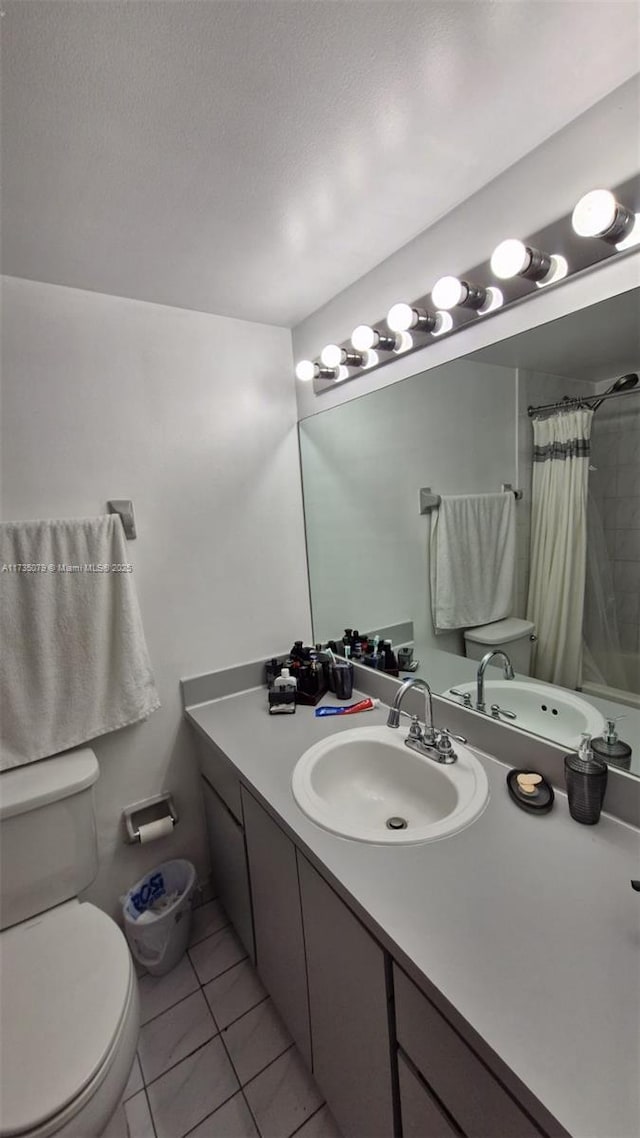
[193, 417]
[599, 148]
[453, 429]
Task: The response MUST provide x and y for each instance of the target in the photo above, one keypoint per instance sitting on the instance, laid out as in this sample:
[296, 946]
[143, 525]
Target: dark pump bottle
[586, 781]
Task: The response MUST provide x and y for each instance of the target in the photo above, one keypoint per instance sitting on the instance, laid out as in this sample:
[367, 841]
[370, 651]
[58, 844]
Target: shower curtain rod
[578, 401]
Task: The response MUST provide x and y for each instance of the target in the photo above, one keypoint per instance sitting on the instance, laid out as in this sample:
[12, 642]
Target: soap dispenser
[610, 747]
[586, 781]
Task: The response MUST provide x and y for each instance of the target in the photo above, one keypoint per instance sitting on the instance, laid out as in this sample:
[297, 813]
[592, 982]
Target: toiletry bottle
[586, 781]
[611, 748]
[390, 661]
[282, 697]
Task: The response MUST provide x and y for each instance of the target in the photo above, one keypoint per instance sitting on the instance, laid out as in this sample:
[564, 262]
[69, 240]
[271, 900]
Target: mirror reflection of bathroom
[554, 412]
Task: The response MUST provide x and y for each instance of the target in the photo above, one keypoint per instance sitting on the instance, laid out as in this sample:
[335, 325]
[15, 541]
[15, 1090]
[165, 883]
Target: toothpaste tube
[352, 708]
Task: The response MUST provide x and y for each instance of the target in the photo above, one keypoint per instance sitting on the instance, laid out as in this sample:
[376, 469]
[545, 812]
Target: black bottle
[586, 781]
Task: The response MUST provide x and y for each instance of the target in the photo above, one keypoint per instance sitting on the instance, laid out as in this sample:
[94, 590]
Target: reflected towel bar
[430, 501]
[124, 507]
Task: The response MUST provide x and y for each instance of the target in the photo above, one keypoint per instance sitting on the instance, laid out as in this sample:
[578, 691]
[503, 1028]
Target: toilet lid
[64, 982]
[501, 631]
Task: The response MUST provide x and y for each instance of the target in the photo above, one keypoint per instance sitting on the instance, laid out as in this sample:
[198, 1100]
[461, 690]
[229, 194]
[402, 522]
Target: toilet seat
[69, 1024]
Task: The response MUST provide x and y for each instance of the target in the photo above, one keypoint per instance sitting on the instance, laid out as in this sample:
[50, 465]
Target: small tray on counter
[540, 803]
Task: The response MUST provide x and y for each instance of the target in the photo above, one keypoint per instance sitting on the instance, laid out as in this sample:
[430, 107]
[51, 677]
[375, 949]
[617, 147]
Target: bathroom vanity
[483, 984]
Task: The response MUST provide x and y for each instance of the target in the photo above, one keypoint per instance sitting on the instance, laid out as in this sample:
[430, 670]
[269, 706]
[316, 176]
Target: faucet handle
[415, 730]
[497, 711]
[449, 734]
[445, 751]
[465, 696]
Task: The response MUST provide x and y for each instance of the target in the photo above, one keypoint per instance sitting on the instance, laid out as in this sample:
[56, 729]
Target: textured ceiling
[254, 157]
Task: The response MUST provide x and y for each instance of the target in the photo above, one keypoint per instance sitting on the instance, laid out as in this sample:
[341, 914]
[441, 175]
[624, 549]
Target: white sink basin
[354, 782]
[544, 710]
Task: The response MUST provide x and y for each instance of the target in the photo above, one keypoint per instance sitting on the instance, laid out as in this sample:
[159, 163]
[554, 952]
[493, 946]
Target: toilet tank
[514, 636]
[48, 847]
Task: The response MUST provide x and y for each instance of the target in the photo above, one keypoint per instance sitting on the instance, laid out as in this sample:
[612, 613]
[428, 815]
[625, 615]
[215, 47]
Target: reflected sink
[364, 782]
[544, 710]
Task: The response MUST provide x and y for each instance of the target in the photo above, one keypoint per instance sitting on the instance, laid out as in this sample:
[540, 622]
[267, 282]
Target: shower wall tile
[629, 448]
[610, 513]
[628, 513]
[628, 608]
[627, 547]
[628, 479]
[626, 576]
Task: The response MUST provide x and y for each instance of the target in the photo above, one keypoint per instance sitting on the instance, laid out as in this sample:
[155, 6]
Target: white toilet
[70, 1007]
[514, 636]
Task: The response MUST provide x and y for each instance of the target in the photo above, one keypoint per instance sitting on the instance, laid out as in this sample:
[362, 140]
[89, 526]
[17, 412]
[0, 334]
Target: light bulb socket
[423, 321]
[474, 296]
[351, 358]
[385, 343]
[323, 372]
[621, 226]
[538, 267]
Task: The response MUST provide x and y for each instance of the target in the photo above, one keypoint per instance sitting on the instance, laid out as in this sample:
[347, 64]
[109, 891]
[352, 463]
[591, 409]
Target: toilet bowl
[514, 636]
[69, 992]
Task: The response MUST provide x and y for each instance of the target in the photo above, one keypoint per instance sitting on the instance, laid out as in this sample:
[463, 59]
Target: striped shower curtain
[558, 554]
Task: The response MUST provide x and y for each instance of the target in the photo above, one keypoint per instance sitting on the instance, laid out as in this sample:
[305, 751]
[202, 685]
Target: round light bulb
[305, 370]
[594, 214]
[363, 338]
[509, 259]
[371, 359]
[400, 318]
[331, 355]
[447, 292]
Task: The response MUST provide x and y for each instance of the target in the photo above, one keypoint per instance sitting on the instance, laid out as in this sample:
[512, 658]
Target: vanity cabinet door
[349, 1011]
[277, 918]
[421, 1115]
[469, 1091]
[229, 864]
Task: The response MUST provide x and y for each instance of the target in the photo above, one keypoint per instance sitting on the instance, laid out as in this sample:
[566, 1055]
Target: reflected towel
[74, 661]
[473, 550]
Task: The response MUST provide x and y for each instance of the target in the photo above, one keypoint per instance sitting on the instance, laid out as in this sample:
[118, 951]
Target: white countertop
[528, 925]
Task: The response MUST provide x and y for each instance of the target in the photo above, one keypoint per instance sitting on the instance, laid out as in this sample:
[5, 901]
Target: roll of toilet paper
[153, 830]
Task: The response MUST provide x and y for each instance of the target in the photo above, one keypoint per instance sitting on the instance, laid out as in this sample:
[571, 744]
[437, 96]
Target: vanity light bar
[522, 266]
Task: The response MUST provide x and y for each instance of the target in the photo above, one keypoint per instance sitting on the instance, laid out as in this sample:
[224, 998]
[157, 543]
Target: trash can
[157, 915]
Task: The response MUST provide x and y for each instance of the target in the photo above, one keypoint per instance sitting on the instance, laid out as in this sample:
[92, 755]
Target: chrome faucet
[507, 672]
[426, 740]
[393, 719]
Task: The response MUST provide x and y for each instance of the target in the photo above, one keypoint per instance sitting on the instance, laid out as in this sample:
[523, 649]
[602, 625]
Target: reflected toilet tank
[514, 636]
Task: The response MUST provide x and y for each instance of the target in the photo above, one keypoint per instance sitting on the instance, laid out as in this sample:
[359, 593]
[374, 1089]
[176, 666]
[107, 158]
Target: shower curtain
[559, 543]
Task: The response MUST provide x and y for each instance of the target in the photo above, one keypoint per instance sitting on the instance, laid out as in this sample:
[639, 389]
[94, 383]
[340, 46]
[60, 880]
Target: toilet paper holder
[154, 809]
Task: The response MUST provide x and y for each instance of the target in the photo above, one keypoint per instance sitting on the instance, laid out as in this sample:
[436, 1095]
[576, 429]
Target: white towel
[74, 662]
[473, 550]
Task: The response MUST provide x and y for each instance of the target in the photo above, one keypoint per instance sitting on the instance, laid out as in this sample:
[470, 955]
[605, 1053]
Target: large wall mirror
[461, 429]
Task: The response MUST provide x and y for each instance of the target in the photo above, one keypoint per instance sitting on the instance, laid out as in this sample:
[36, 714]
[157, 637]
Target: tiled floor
[214, 1059]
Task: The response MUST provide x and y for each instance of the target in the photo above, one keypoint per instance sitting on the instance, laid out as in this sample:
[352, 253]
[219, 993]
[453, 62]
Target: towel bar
[430, 501]
[124, 507]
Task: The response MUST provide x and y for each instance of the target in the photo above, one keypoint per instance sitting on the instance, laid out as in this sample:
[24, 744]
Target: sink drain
[397, 823]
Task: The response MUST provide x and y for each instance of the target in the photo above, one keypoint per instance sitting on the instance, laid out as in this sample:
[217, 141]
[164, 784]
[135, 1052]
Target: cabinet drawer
[421, 1115]
[470, 1092]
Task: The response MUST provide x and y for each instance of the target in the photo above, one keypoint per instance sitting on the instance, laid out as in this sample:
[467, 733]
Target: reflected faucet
[507, 672]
